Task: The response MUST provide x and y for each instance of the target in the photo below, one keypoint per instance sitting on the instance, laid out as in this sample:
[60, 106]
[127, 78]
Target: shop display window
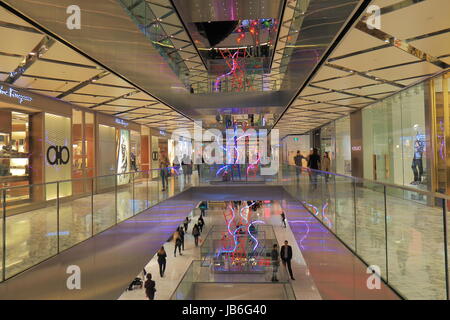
[395, 140]
[14, 155]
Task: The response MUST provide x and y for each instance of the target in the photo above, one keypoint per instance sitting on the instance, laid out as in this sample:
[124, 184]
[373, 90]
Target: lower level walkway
[337, 272]
[322, 266]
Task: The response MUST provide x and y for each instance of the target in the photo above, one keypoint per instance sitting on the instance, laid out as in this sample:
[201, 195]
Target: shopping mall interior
[224, 150]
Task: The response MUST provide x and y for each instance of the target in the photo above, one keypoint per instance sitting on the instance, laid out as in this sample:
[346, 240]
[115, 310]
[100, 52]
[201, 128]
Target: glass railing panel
[329, 201]
[447, 225]
[75, 214]
[105, 211]
[124, 196]
[370, 224]
[140, 192]
[2, 235]
[345, 210]
[313, 197]
[31, 228]
[154, 188]
[415, 245]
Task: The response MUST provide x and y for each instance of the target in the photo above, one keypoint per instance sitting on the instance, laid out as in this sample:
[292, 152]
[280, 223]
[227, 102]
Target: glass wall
[14, 153]
[343, 147]
[328, 143]
[395, 139]
[292, 144]
[335, 139]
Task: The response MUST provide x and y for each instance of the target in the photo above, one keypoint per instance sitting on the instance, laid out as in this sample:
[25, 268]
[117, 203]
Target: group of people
[285, 253]
[165, 168]
[178, 238]
[314, 161]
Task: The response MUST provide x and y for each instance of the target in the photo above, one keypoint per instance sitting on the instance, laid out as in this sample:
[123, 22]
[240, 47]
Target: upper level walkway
[398, 230]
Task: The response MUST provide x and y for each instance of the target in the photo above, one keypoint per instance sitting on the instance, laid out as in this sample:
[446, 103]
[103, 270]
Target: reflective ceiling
[33, 60]
[306, 63]
[113, 36]
[367, 65]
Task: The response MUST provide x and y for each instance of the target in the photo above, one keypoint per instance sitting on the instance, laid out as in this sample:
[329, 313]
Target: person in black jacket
[150, 287]
[201, 223]
[283, 219]
[186, 223]
[286, 257]
[177, 241]
[196, 234]
[162, 255]
[181, 232]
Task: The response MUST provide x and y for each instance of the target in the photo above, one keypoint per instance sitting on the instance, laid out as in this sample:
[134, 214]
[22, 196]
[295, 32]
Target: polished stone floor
[403, 236]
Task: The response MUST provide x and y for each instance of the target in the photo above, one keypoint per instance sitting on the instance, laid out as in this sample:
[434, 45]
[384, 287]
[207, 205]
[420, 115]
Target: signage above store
[356, 148]
[10, 92]
[121, 122]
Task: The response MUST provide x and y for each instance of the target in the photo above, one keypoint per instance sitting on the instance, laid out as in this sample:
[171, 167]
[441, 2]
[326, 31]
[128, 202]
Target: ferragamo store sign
[14, 94]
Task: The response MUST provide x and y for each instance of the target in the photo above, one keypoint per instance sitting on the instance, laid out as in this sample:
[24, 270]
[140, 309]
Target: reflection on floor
[414, 239]
[337, 273]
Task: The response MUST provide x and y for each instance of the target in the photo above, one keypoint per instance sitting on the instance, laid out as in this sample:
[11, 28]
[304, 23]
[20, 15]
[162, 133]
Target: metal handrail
[384, 184]
[86, 178]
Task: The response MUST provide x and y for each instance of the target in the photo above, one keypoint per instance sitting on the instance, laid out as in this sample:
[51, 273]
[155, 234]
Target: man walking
[283, 219]
[286, 256]
[298, 160]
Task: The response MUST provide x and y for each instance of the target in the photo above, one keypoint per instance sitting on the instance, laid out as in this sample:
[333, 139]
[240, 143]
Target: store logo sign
[10, 92]
[58, 155]
[121, 122]
[356, 148]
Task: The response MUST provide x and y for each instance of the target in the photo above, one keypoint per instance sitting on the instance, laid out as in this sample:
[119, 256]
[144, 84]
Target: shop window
[14, 154]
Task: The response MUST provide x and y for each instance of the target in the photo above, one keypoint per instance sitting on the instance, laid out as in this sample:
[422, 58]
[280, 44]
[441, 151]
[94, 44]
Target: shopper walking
[177, 241]
[162, 255]
[150, 287]
[164, 171]
[181, 232]
[186, 224]
[298, 160]
[196, 234]
[326, 165]
[275, 262]
[201, 224]
[314, 164]
[283, 219]
[286, 257]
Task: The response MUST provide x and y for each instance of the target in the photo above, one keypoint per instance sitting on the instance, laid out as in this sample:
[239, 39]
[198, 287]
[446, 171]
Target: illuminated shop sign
[122, 122]
[10, 92]
[61, 155]
[356, 148]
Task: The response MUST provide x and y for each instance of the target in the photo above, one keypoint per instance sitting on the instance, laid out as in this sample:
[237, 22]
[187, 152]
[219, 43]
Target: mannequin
[417, 162]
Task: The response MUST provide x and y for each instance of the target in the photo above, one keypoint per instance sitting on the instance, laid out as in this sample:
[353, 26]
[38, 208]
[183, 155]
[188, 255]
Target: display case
[14, 157]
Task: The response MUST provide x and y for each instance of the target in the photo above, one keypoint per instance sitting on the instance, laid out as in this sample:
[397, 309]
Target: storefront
[291, 144]
[43, 140]
[396, 139]
[335, 138]
[328, 143]
[15, 151]
[35, 145]
[119, 148]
